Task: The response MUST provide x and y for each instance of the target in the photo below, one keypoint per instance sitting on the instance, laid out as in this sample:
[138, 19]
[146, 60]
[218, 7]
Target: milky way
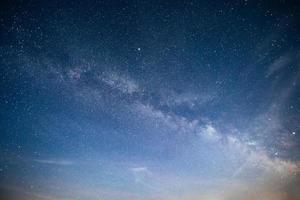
[144, 100]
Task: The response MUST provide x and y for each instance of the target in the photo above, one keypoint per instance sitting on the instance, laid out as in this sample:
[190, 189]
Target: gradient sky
[150, 100]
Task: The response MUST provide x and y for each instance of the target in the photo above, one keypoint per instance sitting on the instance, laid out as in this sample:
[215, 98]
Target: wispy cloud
[139, 169]
[54, 162]
[279, 63]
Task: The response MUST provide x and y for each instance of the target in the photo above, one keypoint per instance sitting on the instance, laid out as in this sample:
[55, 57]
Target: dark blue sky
[150, 100]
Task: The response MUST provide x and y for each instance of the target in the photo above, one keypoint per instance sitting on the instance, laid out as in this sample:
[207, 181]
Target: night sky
[150, 100]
